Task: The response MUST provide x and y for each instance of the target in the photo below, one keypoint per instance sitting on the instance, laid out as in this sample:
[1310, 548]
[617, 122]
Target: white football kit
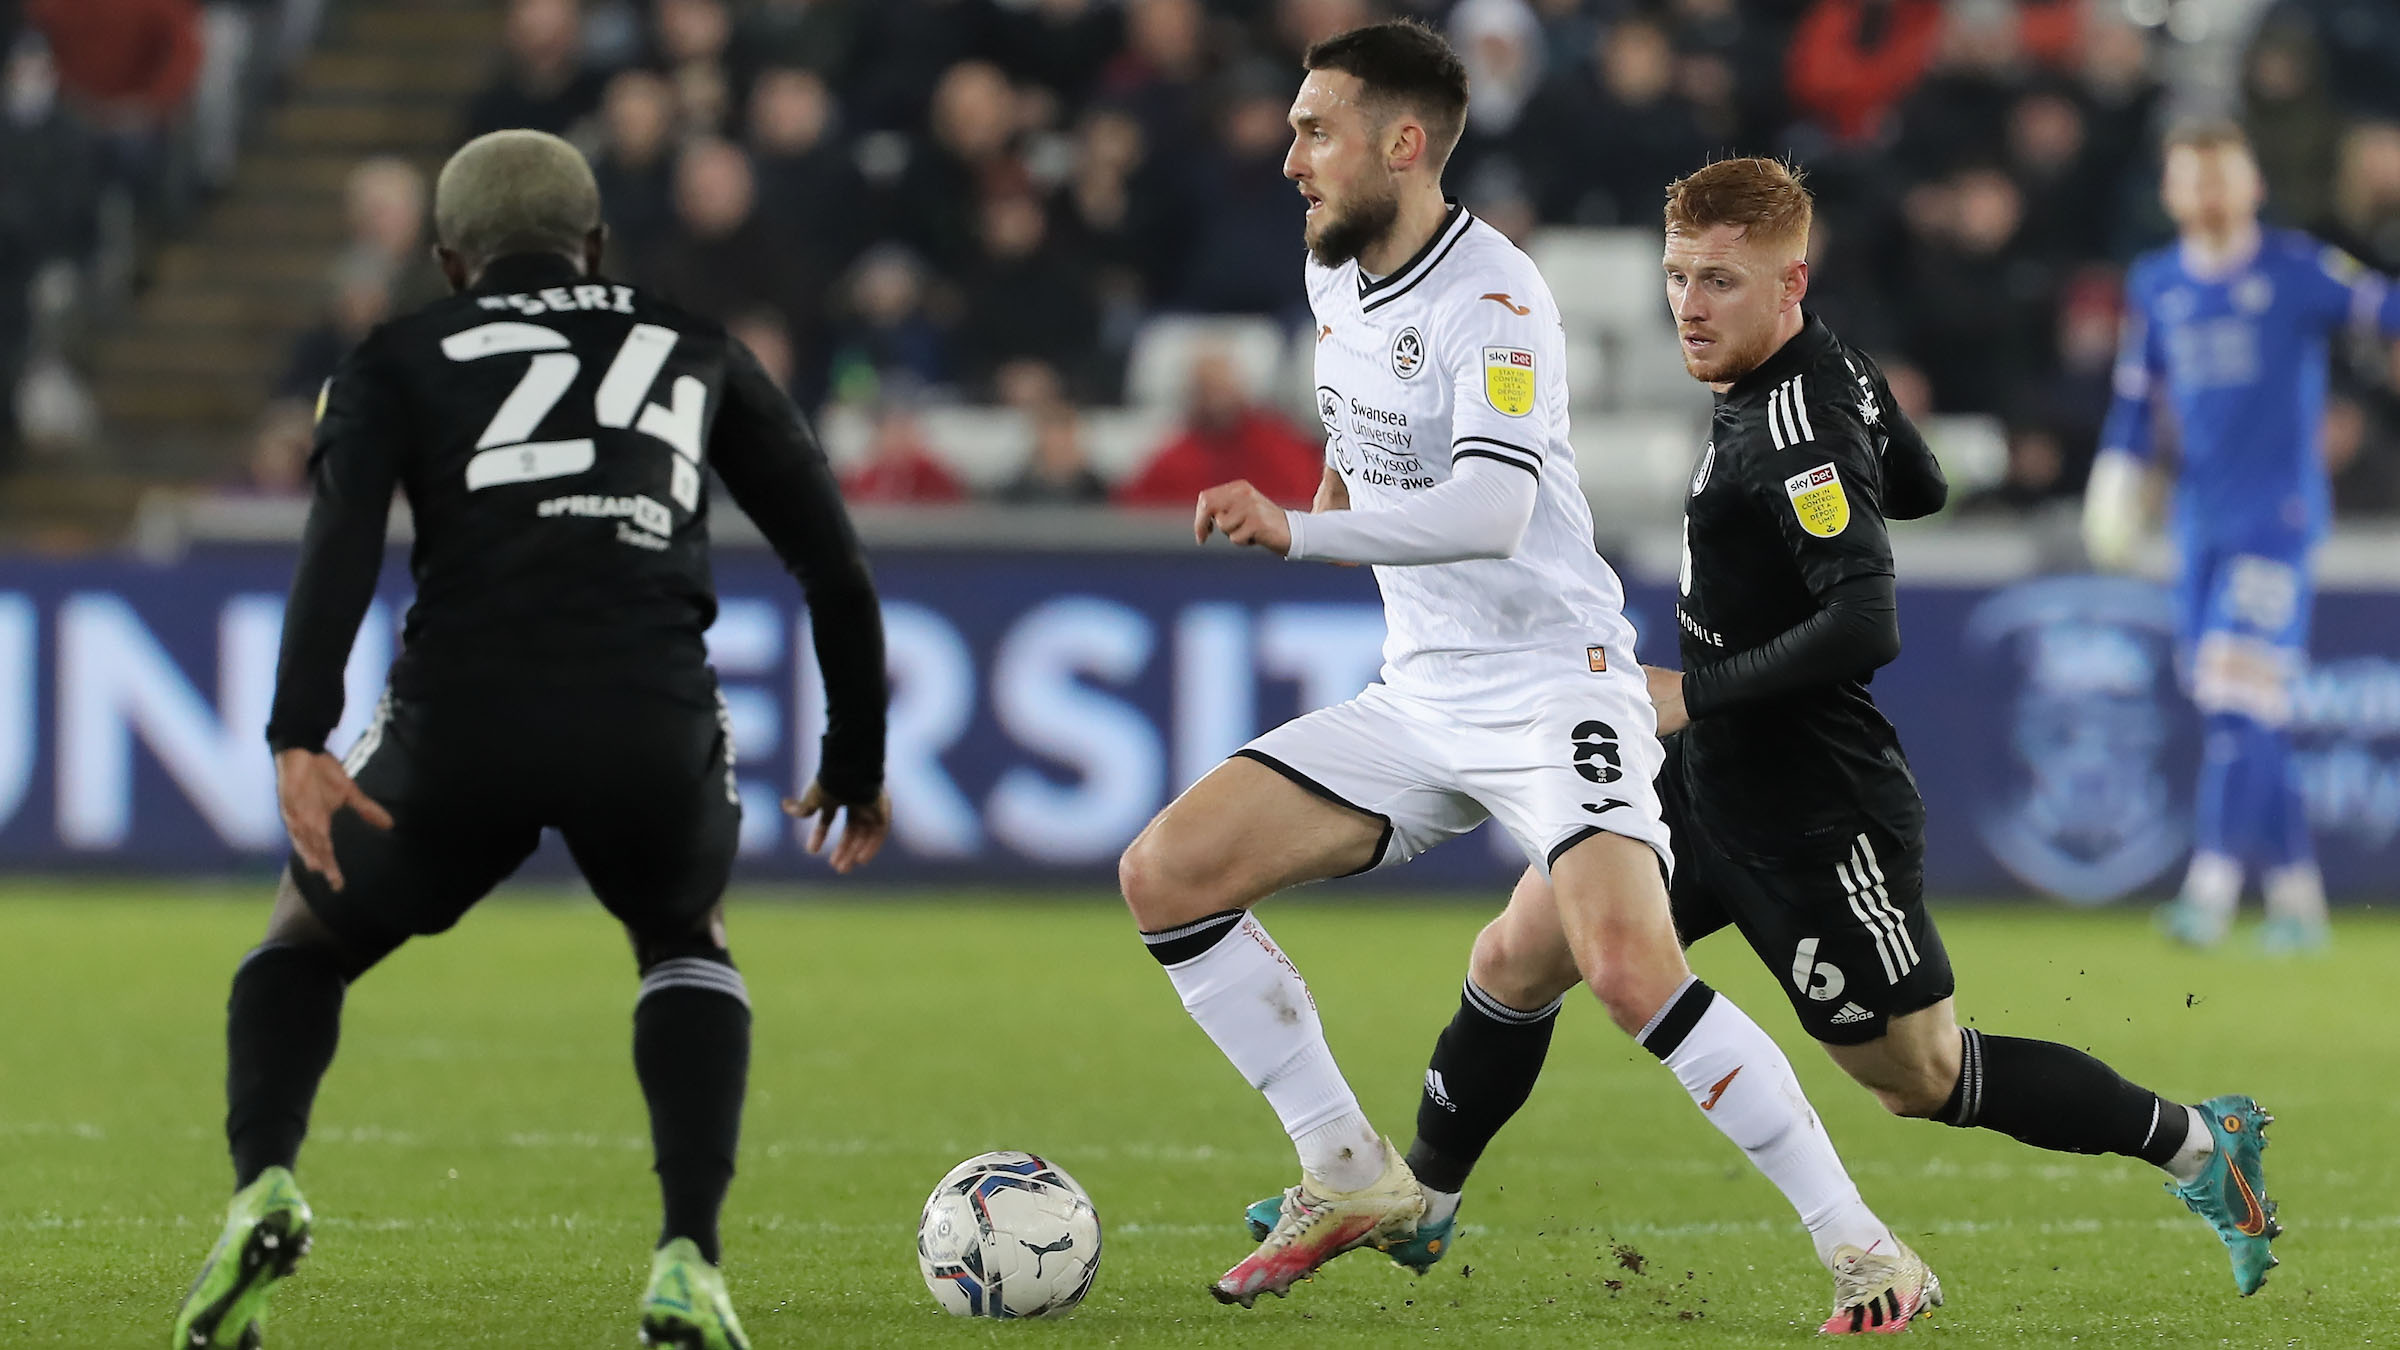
[1510, 689]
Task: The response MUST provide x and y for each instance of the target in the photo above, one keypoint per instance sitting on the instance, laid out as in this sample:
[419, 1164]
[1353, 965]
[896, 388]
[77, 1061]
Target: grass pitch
[479, 1168]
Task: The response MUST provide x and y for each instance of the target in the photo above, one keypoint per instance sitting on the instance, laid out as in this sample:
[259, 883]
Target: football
[1008, 1235]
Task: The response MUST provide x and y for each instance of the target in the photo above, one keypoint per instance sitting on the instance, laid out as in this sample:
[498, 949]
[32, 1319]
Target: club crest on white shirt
[1408, 353]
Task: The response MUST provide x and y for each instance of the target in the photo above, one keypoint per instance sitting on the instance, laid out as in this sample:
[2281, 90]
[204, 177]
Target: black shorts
[1850, 942]
[640, 787]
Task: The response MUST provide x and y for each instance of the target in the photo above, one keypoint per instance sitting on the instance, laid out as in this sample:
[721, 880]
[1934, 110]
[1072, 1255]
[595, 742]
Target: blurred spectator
[900, 466]
[1301, 24]
[542, 82]
[1026, 298]
[2364, 468]
[361, 298]
[383, 206]
[818, 36]
[2366, 195]
[769, 339]
[1058, 474]
[2065, 195]
[1976, 312]
[2292, 122]
[2362, 44]
[1156, 79]
[721, 259]
[2073, 399]
[1631, 132]
[1500, 43]
[48, 202]
[1226, 436]
[126, 67]
[690, 39]
[886, 340]
[1104, 215]
[1960, 110]
[128, 64]
[808, 189]
[1058, 45]
[228, 32]
[1852, 60]
[2051, 32]
[1732, 68]
[967, 155]
[635, 163]
[2036, 476]
[1246, 248]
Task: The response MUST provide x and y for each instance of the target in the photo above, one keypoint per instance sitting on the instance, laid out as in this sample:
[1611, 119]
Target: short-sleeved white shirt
[1460, 354]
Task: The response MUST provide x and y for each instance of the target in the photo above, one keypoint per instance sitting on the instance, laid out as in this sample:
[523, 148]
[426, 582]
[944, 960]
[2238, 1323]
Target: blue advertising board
[1046, 704]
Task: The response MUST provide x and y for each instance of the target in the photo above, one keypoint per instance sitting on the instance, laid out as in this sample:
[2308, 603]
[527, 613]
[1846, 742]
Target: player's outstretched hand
[311, 785]
[862, 834]
[1666, 695]
[1244, 515]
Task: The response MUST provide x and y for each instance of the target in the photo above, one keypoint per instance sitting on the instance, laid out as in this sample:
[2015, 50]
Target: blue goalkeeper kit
[2238, 355]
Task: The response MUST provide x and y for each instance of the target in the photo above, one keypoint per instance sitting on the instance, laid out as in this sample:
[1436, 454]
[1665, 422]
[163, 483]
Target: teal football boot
[1419, 1253]
[2231, 1192]
[2292, 935]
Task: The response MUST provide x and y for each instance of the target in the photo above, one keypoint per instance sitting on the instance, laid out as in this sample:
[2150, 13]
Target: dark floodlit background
[1033, 269]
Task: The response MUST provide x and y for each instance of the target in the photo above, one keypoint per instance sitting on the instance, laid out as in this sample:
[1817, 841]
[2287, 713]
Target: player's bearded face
[1727, 294]
[1337, 233]
[1338, 163]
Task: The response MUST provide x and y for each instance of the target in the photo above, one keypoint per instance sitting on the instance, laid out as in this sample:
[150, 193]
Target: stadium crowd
[907, 201]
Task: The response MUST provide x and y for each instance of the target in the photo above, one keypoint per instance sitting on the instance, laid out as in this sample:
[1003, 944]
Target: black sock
[2055, 1097]
[282, 1022]
[1483, 1068]
[691, 1049]
[1185, 942]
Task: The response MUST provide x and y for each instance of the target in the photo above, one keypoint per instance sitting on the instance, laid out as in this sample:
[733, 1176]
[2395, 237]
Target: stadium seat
[1163, 351]
[1603, 280]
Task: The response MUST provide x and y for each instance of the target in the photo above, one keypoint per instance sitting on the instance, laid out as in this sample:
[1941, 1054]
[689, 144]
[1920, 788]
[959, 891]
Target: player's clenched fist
[1242, 514]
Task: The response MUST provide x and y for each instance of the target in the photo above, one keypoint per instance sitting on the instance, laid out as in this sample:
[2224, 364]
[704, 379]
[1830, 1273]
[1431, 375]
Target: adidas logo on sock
[1851, 1012]
[1438, 1092]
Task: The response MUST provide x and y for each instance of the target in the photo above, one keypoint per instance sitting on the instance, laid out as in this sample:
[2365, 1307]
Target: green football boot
[266, 1234]
[2231, 1192]
[686, 1306]
[1419, 1253]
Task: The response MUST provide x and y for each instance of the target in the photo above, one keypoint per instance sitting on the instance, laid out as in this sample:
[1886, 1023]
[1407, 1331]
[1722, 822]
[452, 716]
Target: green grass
[480, 1170]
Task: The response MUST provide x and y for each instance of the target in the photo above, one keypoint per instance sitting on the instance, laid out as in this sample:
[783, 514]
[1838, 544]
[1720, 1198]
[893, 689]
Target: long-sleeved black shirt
[552, 433]
[1786, 606]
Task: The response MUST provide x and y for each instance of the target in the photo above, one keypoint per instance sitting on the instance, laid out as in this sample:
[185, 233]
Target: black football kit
[1793, 811]
[553, 434]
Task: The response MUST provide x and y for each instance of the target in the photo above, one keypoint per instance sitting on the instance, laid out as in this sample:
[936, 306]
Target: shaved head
[515, 192]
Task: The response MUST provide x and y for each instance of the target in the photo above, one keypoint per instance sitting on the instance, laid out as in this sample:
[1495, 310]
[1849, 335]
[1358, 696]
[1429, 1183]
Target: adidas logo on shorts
[1851, 1012]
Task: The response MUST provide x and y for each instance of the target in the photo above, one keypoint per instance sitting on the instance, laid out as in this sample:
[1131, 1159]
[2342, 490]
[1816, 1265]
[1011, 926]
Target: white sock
[1249, 997]
[2214, 884]
[2295, 892]
[2198, 1147]
[1440, 1205]
[1742, 1082]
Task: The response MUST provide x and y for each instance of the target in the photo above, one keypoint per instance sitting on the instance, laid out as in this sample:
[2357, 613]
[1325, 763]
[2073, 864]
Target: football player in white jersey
[1509, 691]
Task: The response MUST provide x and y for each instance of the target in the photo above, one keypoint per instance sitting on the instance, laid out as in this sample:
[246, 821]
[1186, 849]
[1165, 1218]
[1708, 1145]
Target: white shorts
[1554, 763]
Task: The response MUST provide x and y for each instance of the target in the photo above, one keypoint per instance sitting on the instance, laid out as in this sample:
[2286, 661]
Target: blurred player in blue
[2230, 328]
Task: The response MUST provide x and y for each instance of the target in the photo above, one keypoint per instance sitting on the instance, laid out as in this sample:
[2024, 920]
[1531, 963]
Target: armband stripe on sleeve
[1528, 451]
[1478, 452]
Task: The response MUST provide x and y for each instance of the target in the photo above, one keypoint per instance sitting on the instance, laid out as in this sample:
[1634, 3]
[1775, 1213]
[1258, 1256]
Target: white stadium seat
[1159, 368]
